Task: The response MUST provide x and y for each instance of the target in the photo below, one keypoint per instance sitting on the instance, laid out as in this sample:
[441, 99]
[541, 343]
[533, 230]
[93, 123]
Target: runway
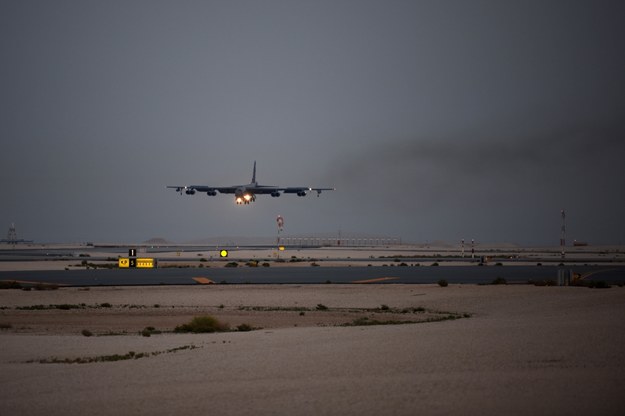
[313, 275]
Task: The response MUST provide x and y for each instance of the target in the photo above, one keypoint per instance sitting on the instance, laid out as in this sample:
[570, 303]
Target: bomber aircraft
[244, 194]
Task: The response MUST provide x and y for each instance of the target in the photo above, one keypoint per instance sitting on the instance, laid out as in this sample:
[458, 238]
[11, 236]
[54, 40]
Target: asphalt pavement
[315, 275]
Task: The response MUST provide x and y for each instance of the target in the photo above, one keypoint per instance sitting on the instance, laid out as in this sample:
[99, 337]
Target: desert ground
[461, 349]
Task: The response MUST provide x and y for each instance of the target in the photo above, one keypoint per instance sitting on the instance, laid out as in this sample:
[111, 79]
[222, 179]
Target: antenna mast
[563, 234]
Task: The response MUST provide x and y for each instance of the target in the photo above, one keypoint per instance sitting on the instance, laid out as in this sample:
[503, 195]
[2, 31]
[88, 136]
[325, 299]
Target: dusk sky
[435, 120]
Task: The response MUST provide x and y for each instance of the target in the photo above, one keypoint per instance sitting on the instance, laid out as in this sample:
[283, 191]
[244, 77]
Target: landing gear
[245, 199]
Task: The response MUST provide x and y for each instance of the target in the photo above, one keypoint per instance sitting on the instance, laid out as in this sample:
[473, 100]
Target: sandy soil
[128, 310]
[513, 350]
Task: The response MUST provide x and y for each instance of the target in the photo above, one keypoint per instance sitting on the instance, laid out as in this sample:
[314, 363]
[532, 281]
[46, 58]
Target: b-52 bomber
[244, 194]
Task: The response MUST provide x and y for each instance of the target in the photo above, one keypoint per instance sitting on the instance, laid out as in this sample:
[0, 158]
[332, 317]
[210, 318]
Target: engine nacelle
[275, 194]
[190, 192]
[211, 193]
[301, 193]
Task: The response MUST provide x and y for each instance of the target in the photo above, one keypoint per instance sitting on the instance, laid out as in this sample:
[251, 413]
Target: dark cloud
[500, 180]
[574, 153]
[435, 120]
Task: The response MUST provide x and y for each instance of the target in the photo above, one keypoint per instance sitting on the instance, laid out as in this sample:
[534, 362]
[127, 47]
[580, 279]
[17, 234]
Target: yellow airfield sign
[145, 263]
[140, 263]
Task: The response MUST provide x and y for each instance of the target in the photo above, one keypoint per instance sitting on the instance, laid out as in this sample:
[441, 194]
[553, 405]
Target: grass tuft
[364, 321]
[10, 284]
[203, 324]
[499, 281]
[244, 328]
[594, 284]
[131, 355]
[46, 286]
[149, 331]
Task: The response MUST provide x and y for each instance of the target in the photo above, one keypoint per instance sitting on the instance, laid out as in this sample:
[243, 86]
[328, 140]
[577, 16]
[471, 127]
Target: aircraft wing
[302, 190]
[244, 194]
[262, 189]
[211, 190]
[225, 189]
[258, 189]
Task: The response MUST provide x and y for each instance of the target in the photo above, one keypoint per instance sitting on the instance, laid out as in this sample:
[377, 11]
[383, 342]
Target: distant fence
[338, 242]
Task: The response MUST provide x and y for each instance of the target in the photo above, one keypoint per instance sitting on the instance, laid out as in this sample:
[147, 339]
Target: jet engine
[301, 193]
[211, 193]
[275, 194]
[190, 192]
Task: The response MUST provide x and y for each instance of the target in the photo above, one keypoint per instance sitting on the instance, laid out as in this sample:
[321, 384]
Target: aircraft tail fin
[254, 173]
